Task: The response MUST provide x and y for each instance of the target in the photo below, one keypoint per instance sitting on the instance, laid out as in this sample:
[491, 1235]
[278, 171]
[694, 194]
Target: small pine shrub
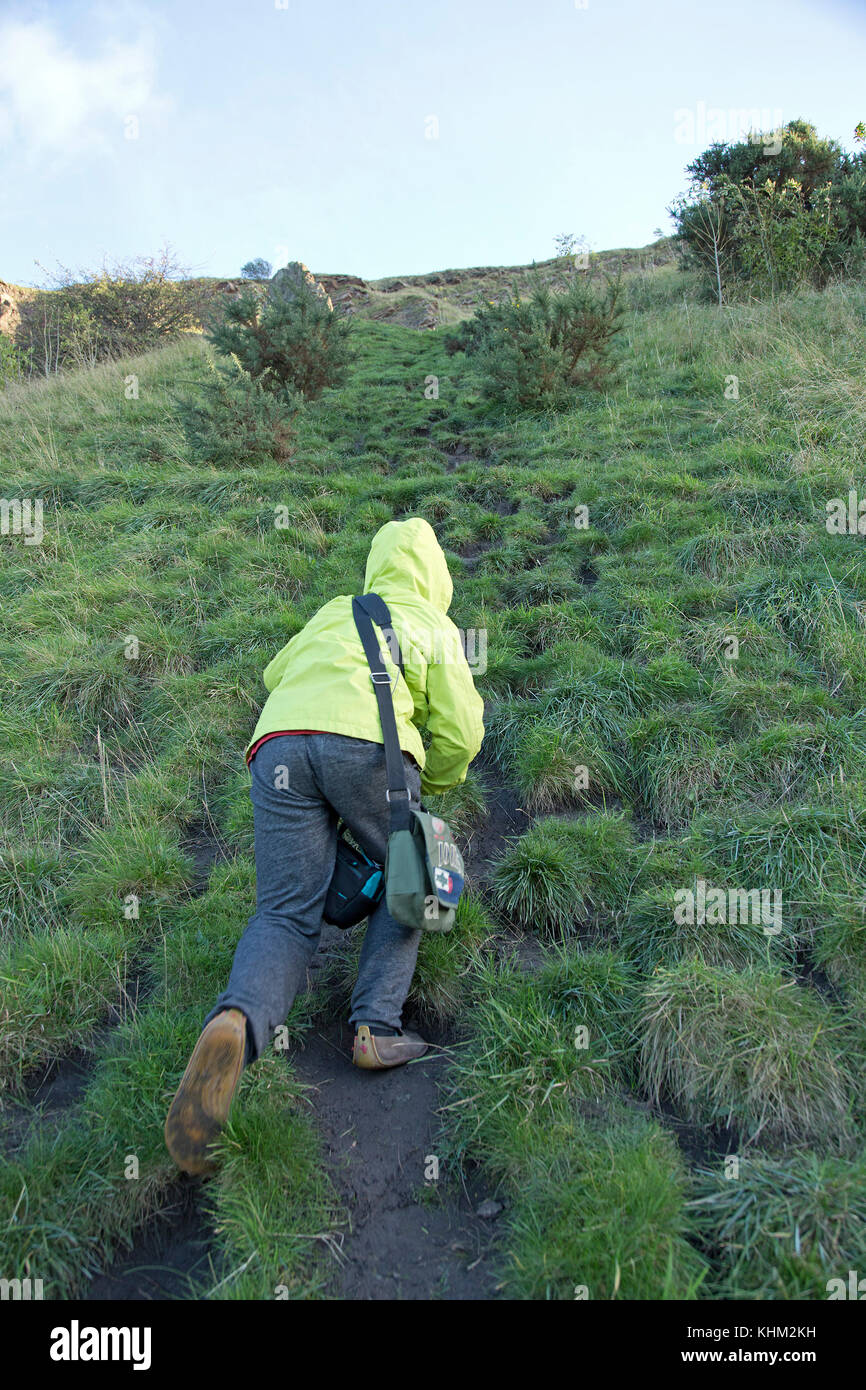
[236, 420]
[286, 338]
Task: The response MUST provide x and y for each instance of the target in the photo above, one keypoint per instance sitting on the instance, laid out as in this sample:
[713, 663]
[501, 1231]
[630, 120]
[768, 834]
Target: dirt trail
[170, 1255]
[406, 1240]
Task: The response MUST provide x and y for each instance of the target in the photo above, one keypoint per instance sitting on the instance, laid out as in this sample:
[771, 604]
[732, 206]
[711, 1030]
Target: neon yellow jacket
[321, 680]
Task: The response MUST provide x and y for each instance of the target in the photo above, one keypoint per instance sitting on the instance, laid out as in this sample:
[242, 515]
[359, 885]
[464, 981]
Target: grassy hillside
[662, 1109]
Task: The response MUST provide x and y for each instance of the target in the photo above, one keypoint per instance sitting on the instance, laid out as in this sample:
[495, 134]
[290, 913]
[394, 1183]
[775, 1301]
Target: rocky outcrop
[295, 274]
[232, 288]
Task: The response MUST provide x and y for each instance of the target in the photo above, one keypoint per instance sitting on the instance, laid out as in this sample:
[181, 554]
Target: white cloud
[55, 100]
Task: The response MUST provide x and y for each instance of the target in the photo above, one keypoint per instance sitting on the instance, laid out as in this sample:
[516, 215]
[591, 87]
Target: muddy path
[171, 1255]
[406, 1238]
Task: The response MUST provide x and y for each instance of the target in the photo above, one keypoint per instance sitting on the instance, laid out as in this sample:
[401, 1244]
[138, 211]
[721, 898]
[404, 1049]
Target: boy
[317, 754]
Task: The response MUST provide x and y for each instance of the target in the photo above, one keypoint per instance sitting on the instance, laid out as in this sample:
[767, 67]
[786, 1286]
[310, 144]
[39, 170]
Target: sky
[385, 137]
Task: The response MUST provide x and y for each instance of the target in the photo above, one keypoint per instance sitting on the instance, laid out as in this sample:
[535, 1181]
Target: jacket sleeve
[455, 721]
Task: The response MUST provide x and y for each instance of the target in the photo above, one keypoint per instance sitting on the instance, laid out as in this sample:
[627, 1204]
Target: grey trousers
[300, 784]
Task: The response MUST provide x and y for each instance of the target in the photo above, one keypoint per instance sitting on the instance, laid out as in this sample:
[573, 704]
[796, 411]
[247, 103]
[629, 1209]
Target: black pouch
[356, 887]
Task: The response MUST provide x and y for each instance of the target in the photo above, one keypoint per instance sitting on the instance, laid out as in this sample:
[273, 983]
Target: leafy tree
[258, 269]
[801, 154]
[286, 337]
[768, 212]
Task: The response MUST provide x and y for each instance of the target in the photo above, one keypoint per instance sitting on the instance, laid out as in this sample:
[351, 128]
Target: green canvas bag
[424, 872]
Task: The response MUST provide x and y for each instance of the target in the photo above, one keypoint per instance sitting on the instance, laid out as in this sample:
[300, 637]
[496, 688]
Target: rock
[294, 274]
[489, 1209]
[10, 315]
[231, 287]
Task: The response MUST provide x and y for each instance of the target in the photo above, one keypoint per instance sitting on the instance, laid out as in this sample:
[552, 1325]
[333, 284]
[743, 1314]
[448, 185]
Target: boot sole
[203, 1099]
[376, 1062]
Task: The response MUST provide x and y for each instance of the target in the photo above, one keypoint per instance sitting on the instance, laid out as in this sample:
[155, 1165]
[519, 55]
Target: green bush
[535, 353]
[233, 420]
[768, 214]
[286, 338]
[120, 308]
[11, 361]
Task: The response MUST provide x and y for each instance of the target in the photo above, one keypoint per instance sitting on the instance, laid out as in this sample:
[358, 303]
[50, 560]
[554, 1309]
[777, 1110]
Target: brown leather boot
[379, 1053]
[201, 1105]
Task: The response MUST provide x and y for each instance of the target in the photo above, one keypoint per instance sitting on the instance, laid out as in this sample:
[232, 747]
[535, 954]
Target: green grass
[603, 1215]
[639, 752]
[748, 1048]
[782, 1228]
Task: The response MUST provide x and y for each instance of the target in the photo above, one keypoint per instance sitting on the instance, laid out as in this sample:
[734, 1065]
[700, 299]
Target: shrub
[236, 419]
[536, 353]
[286, 338]
[123, 307]
[770, 221]
[11, 361]
[782, 237]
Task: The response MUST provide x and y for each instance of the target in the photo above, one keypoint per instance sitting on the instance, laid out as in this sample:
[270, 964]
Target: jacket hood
[406, 558]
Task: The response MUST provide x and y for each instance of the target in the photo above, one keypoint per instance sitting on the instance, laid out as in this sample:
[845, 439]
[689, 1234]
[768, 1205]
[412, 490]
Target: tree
[801, 155]
[258, 269]
[286, 337]
[767, 213]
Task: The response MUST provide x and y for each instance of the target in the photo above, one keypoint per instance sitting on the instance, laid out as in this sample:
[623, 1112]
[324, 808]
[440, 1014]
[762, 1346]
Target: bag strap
[367, 609]
[375, 607]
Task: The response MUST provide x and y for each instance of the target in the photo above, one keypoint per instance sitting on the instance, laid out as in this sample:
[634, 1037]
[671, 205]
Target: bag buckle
[398, 791]
[383, 678]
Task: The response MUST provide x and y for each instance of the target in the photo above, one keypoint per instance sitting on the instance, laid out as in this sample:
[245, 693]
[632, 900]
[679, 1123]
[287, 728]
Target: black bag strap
[375, 607]
[367, 609]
